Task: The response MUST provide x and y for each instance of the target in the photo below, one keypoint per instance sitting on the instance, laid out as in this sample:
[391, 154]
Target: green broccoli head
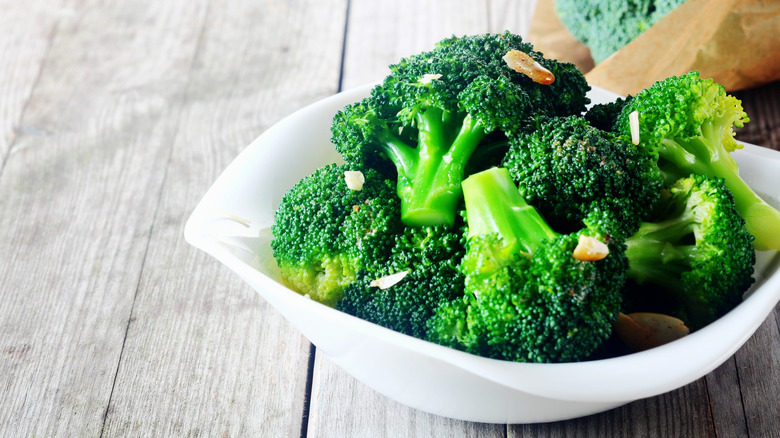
[567, 169]
[696, 249]
[325, 232]
[527, 298]
[438, 108]
[687, 123]
[606, 26]
[424, 262]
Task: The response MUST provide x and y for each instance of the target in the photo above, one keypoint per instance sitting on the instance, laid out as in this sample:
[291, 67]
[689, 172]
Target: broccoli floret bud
[567, 169]
[324, 232]
[687, 124]
[527, 298]
[696, 249]
[604, 115]
[426, 260]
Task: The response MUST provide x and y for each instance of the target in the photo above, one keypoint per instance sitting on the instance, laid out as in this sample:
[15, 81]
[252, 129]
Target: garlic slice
[389, 280]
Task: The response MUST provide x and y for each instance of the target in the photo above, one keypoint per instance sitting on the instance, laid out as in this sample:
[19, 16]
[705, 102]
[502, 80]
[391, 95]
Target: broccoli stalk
[495, 207]
[430, 174]
[431, 138]
[697, 250]
[688, 123]
[708, 154]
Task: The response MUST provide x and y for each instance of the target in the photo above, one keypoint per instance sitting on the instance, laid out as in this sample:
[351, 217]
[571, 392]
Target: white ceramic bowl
[232, 223]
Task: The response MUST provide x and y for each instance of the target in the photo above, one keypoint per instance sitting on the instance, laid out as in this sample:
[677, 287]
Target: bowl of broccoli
[470, 235]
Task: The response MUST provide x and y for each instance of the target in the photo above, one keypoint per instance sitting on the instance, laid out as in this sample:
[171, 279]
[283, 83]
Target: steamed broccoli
[696, 249]
[568, 169]
[441, 139]
[605, 26]
[324, 232]
[687, 123]
[435, 109]
[425, 259]
[527, 298]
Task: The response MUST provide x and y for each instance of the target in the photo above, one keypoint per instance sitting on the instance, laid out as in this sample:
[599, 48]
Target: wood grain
[25, 40]
[209, 355]
[763, 108]
[77, 209]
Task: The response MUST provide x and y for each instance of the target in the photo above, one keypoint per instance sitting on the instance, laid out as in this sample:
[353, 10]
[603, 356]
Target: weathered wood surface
[116, 117]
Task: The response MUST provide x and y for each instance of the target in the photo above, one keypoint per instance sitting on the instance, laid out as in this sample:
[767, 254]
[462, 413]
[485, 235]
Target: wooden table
[115, 119]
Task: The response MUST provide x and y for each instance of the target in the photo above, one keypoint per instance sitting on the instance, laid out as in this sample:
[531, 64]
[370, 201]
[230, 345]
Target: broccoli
[427, 118]
[527, 298]
[687, 123]
[324, 232]
[604, 115]
[425, 259]
[497, 216]
[697, 249]
[605, 26]
[568, 169]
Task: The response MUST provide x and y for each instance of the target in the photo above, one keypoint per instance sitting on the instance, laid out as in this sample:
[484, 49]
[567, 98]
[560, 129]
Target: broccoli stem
[661, 251]
[431, 194]
[401, 154]
[494, 206]
[705, 155]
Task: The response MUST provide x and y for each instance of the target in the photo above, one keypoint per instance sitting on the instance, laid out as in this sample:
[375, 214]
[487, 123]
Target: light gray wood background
[115, 117]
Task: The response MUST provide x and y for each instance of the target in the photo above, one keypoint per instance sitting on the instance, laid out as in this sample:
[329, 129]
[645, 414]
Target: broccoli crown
[688, 123]
[325, 232]
[429, 257]
[606, 26]
[526, 297]
[566, 168]
[697, 248]
[436, 108]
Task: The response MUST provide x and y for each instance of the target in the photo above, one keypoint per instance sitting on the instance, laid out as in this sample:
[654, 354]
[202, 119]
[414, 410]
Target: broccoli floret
[437, 108]
[604, 115]
[687, 123]
[697, 249]
[527, 298]
[426, 260]
[568, 169]
[324, 232]
[605, 26]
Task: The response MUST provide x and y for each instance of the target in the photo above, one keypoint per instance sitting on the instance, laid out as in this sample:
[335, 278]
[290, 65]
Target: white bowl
[232, 223]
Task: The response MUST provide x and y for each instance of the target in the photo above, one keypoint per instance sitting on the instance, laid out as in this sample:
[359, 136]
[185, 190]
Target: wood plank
[343, 407]
[680, 413]
[207, 354]
[762, 106]
[380, 33]
[77, 196]
[758, 368]
[743, 391]
[24, 42]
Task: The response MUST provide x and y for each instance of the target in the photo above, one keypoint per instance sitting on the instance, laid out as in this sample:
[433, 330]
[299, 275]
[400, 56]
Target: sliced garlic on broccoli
[389, 280]
[354, 179]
